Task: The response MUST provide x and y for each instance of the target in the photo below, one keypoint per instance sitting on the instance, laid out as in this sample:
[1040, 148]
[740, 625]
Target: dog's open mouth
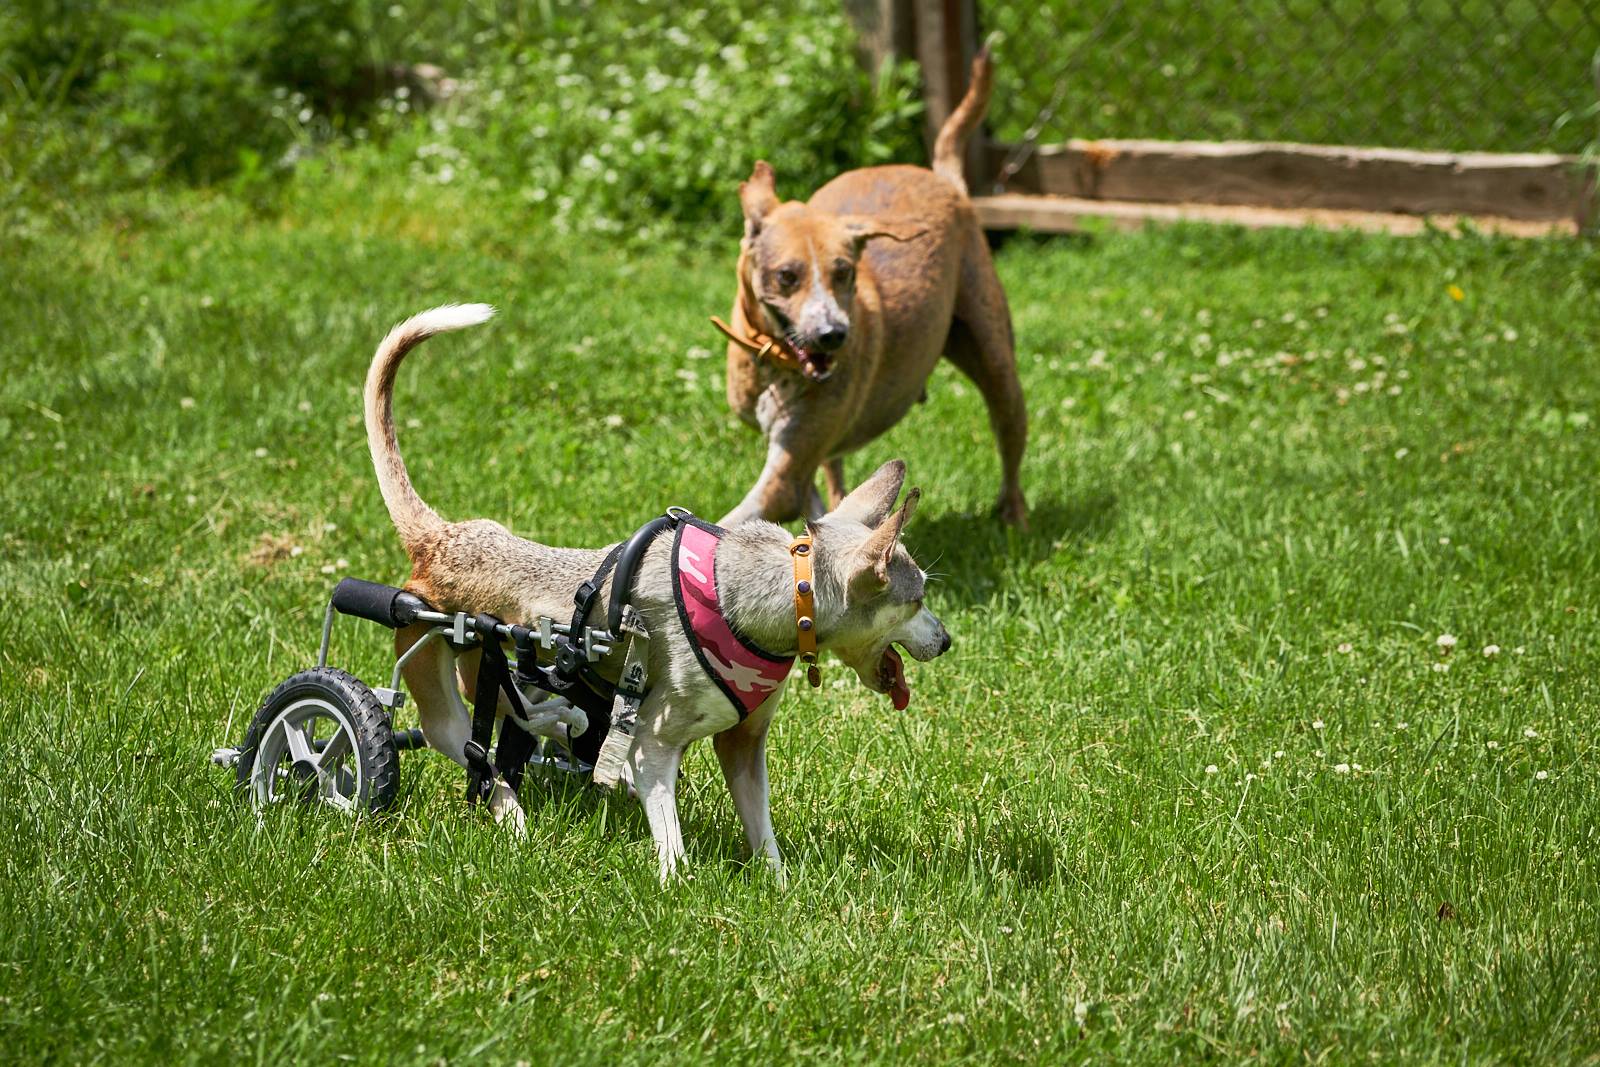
[818, 366]
[892, 677]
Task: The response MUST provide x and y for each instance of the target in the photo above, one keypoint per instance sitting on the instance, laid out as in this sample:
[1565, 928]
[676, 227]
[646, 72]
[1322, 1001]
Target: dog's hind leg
[446, 723]
[982, 347]
[742, 751]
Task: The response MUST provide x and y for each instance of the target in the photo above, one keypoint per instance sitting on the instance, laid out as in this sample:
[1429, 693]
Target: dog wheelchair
[323, 737]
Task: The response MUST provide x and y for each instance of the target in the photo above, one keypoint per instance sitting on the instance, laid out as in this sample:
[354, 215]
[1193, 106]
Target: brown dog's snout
[832, 336]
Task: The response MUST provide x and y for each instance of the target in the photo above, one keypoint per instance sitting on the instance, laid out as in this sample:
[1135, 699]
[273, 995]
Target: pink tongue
[899, 692]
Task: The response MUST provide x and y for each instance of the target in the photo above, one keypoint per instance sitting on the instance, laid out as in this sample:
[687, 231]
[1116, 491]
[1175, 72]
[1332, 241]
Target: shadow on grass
[971, 553]
[1013, 848]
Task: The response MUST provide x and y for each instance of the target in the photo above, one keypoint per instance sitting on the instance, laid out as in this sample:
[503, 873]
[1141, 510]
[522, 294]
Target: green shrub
[639, 117]
[617, 116]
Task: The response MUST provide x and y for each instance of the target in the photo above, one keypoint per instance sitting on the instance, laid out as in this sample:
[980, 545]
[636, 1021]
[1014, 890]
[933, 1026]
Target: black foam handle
[382, 604]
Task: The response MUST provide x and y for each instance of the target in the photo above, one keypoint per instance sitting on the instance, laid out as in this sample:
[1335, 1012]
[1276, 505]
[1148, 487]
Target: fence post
[884, 30]
[947, 39]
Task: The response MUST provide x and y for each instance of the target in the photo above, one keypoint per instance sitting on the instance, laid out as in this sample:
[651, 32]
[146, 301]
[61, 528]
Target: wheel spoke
[300, 749]
[337, 746]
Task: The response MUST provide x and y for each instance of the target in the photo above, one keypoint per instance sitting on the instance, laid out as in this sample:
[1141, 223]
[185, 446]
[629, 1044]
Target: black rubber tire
[368, 721]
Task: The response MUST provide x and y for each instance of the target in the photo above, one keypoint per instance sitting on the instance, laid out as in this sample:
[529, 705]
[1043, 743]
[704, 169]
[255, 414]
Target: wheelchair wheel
[321, 739]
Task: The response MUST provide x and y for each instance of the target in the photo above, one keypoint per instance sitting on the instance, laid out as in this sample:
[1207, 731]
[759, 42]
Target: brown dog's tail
[951, 144]
[414, 519]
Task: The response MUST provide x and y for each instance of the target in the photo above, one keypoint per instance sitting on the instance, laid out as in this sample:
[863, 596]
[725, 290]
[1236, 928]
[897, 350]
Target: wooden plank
[1060, 214]
[1530, 186]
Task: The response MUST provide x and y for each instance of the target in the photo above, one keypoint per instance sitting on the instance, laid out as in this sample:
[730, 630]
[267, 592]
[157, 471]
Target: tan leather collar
[774, 350]
[805, 607]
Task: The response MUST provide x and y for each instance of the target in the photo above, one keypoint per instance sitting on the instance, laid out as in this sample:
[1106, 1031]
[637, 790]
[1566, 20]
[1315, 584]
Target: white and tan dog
[868, 598]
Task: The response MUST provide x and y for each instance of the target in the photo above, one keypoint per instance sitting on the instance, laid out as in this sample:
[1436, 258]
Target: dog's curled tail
[414, 519]
[951, 145]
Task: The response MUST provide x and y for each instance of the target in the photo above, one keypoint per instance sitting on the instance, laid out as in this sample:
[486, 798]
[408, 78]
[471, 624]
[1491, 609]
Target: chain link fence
[1486, 75]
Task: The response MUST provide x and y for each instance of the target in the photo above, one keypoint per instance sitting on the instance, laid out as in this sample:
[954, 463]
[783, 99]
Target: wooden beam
[1539, 187]
[1062, 214]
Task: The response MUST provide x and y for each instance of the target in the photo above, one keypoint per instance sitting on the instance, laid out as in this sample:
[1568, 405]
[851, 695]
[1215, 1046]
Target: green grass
[1485, 75]
[1113, 823]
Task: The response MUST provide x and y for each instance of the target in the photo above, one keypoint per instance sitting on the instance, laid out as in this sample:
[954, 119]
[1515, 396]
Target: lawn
[1200, 779]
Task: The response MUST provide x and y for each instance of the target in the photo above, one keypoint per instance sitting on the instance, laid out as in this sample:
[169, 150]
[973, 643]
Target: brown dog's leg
[787, 487]
[981, 345]
[833, 476]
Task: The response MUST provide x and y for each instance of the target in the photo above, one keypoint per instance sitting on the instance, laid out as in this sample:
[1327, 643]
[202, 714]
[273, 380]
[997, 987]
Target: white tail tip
[450, 317]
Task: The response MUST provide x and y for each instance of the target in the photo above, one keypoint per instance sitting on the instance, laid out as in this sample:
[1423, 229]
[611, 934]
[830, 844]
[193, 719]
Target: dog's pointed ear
[758, 195]
[874, 498]
[862, 229]
[871, 574]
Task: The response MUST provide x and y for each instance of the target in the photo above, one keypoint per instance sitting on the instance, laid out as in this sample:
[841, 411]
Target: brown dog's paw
[1013, 509]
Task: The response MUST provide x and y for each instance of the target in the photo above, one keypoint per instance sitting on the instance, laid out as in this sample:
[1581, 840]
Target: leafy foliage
[609, 116]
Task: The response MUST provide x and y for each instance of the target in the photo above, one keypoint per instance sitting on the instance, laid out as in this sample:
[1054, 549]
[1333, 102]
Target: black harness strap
[494, 678]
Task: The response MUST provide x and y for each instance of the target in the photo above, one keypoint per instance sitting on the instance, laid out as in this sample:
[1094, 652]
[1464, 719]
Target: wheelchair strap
[494, 678]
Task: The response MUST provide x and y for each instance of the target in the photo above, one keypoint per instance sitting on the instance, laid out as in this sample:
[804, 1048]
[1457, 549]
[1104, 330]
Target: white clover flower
[1491, 651]
[1446, 642]
[1530, 733]
[613, 421]
[1319, 753]
[186, 402]
[261, 453]
[1440, 668]
[1211, 768]
[1402, 725]
[1541, 775]
[1493, 744]
[1278, 754]
[1341, 768]
[1345, 648]
[1317, 724]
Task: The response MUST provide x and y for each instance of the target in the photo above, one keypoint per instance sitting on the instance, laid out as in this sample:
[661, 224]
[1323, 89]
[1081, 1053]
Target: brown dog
[835, 332]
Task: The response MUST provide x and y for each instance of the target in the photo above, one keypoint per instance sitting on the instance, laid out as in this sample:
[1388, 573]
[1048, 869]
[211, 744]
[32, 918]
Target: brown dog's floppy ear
[758, 196]
[872, 569]
[874, 498]
[863, 229]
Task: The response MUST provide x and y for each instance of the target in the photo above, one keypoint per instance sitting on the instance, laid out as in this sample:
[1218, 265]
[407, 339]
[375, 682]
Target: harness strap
[494, 678]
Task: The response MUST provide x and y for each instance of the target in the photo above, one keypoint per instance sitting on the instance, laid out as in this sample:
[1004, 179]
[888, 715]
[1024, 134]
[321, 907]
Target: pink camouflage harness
[746, 673]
